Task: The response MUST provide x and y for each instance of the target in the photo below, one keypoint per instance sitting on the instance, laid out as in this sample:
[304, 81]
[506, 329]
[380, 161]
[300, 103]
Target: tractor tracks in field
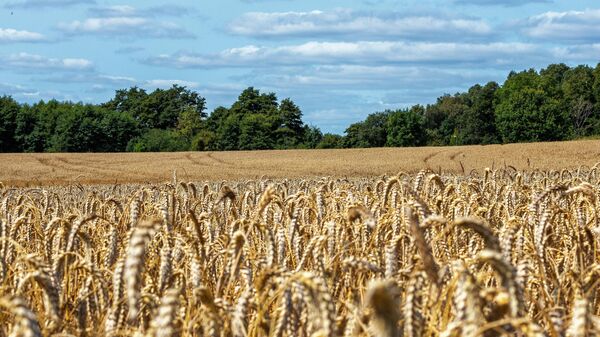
[452, 156]
[214, 160]
[428, 157]
[61, 165]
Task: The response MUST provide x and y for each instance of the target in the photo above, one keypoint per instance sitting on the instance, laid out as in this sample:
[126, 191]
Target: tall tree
[577, 85]
[9, 110]
[256, 132]
[476, 124]
[406, 127]
[291, 130]
[159, 109]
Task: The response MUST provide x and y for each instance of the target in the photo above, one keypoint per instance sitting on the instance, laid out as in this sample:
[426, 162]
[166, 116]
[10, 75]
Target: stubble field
[50, 169]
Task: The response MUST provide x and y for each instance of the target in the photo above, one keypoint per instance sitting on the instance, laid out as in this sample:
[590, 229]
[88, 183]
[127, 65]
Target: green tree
[578, 88]
[406, 127]
[372, 132]
[87, 128]
[355, 136]
[551, 79]
[228, 133]
[117, 129]
[36, 125]
[76, 131]
[251, 101]
[204, 140]
[256, 132]
[330, 141]
[159, 109]
[594, 120]
[312, 136]
[291, 130]
[477, 123]
[157, 140]
[9, 110]
[530, 115]
[442, 120]
[189, 123]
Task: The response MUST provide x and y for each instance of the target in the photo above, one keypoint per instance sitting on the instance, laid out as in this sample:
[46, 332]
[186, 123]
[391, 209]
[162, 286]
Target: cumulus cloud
[26, 61]
[506, 3]
[126, 26]
[585, 53]
[92, 77]
[354, 25]
[15, 89]
[361, 52]
[13, 35]
[570, 26]
[28, 94]
[109, 82]
[128, 21]
[169, 83]
[154, 11]
[384, 77]
[46, 3]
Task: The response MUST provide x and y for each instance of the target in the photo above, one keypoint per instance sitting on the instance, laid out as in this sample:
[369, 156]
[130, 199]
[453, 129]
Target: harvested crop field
[49, 169]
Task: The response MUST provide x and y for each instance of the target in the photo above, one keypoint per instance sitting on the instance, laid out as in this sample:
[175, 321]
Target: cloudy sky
[338, 60]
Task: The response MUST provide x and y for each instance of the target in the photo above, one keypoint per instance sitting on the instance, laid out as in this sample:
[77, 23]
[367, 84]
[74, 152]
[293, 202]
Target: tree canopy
[557, 103]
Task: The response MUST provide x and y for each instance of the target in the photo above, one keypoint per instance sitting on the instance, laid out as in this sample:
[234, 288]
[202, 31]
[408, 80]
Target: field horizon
[42, 169]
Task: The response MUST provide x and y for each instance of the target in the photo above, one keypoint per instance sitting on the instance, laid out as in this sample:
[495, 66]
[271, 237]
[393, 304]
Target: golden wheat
[504, 253]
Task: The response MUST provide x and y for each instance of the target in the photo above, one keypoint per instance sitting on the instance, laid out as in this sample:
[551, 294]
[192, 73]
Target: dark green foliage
[9, 109]
[477, 124]
[330, 141]
[312, 137]
[156, 140]
[159, 109]
[257, 122]
[372, 132]
[556, 103]
[529, 115]
[406, 127]
[256, 132]
[90, 128]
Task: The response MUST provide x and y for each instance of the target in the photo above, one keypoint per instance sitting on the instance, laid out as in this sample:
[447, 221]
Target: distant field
[98, 168]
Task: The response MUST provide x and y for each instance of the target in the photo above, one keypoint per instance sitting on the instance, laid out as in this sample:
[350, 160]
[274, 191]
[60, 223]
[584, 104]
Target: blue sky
[338, 60]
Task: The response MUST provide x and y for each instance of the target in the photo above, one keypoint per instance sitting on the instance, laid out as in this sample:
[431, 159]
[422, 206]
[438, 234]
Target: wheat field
[498, 252]
[38, 169]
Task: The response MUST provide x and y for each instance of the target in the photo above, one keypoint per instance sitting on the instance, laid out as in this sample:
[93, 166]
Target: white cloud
[12, 89]
[13, 35]
[361, 52]
[27, 94]
[587, 53]
[46, 3]
[154, 11]
[506, 3]
[368, 77]
[32, 61]
[104, 82]
[565, 26]
[169, 83]
[356, 24]
[119, 26]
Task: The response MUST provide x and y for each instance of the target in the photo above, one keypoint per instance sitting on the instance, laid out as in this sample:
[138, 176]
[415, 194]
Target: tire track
[429, 156]
[220, 161]
[454, 155]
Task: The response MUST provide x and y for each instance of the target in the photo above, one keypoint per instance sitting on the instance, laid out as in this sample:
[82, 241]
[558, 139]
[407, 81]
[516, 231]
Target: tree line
[556, 103]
